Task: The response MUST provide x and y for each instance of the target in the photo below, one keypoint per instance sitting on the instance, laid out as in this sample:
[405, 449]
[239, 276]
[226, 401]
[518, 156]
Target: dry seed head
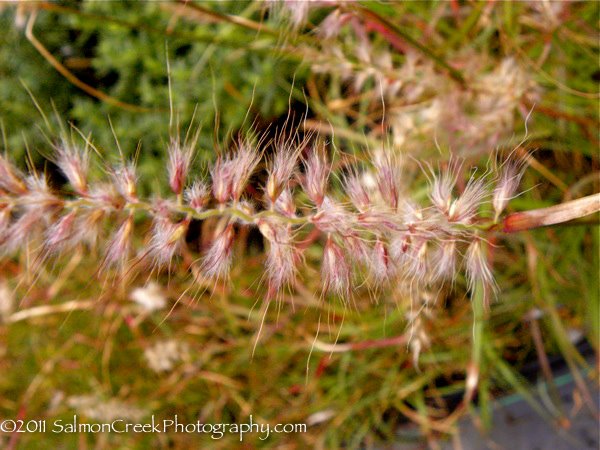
[89, 226]
[416, 260]
[38, 194]
[222, 174]
[244, 163]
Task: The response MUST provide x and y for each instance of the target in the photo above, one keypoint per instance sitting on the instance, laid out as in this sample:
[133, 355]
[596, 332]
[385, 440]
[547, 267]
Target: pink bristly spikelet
[217, 260]
[125, 180]
[244, 162]
[507, 184]
[317, 172]
[388, 174]
[380, 267]
[5, 219]
[74, 164]
[416, 261]
[38, 195]
[222, 175]
[336, 270]
[464, 208]
[230, 174]
[37, 208]
[60, 234]
[180, 159]
[357, 193]
[11, 180]
[285, 204]
[332, 217]
[281, 169]
[442, 186]
[282, 255]
[197, 195]
[478, 267]
[444, 262]
[89, 226]
[118, 249]
[167, 239]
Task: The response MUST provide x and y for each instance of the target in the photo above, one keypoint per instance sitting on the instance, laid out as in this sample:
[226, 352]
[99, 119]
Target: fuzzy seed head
[150, 297]
[89, 226]
[416, 261]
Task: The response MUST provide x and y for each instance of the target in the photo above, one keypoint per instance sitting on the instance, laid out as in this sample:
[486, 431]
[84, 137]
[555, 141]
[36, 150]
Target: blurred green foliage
[212, 69]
